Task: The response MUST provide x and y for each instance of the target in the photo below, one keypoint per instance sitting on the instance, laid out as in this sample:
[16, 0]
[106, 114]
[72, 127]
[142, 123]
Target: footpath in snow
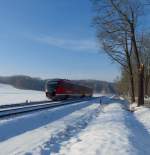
[83, 128]
[115, 131]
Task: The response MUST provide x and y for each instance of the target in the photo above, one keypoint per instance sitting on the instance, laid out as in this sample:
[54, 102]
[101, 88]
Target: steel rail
[23, 104]
[8, 112]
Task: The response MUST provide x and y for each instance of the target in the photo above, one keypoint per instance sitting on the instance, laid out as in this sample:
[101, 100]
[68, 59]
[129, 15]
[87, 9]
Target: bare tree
[119, 49]
[116, 24]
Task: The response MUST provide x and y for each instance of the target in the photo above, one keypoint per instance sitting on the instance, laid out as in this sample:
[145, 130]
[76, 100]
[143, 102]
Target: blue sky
[49, 38]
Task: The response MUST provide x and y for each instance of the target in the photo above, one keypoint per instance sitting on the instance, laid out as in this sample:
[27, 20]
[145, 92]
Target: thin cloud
[77, 45]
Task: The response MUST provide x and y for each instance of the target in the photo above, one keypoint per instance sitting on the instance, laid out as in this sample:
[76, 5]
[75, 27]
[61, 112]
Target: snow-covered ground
[115, 131]
[83, 128]
[11, 95]
[43, 132]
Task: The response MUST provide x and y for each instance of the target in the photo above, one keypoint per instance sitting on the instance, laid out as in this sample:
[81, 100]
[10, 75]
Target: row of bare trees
[117, 24]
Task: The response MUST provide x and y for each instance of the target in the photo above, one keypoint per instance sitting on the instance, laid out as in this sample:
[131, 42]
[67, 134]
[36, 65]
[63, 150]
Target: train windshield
[51, 86]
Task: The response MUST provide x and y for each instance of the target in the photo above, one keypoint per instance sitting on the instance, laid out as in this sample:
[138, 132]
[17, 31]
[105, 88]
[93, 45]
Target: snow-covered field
[11, 95]
[86, 128]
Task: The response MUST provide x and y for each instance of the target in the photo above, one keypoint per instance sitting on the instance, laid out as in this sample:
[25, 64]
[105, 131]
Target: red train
[62, 89]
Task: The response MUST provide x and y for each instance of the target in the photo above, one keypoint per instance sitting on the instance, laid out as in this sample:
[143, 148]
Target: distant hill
[27, 82]
[23, 82]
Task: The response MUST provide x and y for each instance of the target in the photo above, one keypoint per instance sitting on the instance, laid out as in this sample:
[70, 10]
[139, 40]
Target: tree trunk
[132, 88]
[131, 78]
[147, 78]
[141, 85]
[140, 68]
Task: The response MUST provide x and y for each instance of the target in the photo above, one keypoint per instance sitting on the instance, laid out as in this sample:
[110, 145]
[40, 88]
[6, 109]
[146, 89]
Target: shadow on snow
[54, 144]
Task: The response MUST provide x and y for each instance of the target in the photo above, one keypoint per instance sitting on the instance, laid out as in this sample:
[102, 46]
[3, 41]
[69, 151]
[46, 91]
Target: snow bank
[143, 115]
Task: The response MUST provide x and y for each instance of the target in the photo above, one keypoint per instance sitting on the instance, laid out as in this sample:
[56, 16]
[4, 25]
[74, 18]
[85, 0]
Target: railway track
[17, 109]
[23, 104]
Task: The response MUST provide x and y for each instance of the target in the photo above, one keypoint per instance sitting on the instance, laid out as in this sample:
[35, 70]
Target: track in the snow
[8, 111]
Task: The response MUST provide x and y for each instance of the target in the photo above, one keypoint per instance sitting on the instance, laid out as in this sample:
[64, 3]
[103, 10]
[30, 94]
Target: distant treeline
[24, 82]
[27, 82]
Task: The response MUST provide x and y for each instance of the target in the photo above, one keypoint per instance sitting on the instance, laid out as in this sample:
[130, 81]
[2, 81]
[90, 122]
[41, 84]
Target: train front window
[51, 87]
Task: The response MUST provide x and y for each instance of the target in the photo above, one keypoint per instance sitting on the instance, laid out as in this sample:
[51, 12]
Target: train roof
[57, 80]
[68, 81]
